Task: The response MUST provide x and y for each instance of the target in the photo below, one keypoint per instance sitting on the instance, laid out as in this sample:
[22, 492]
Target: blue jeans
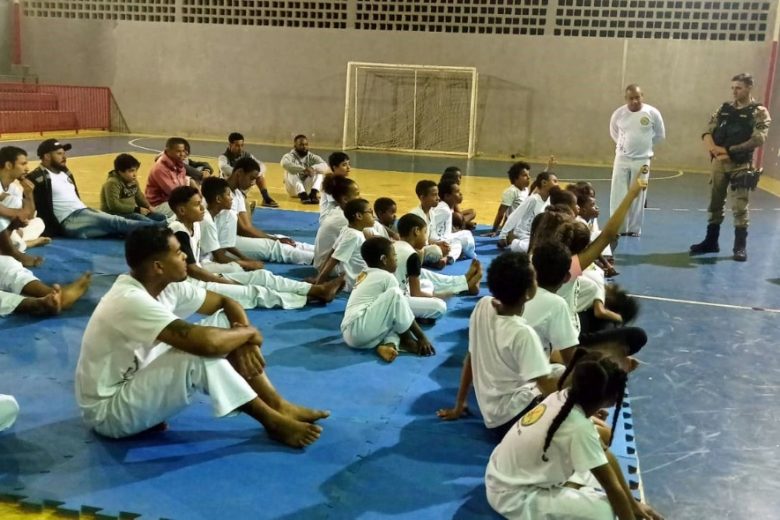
[90, 223]
[151, 217]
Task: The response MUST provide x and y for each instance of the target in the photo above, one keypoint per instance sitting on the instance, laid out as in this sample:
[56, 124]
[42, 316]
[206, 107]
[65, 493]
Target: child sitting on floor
[437, 251]
[423, 287]
[339, 167]
[343, 190]
[385, 211]
[444, 223]
[506, 360]
[462, 218]
[378, 314]
[528, 475]
[519, 178]
[346, 250]
[516, 232]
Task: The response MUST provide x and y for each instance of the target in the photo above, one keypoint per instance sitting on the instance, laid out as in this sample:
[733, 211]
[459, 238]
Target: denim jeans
[151, 217]
[90, 223]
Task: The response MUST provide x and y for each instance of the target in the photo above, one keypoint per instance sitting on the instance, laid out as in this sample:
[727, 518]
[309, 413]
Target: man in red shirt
[167, 174]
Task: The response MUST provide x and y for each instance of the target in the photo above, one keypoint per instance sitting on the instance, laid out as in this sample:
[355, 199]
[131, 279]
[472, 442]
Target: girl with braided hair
[528, 476]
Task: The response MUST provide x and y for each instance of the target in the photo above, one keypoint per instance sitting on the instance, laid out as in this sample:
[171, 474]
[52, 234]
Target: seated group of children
[547, 351]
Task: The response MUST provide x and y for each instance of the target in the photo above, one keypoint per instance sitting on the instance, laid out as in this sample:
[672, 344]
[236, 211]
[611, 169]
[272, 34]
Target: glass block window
[323, 14]
[448, 16]
[742, 20]
[137, 10]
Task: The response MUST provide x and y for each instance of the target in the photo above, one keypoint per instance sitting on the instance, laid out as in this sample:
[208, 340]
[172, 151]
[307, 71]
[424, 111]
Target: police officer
[735, 130]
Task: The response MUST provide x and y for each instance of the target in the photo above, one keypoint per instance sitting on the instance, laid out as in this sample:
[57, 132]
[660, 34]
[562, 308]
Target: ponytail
[540, 177]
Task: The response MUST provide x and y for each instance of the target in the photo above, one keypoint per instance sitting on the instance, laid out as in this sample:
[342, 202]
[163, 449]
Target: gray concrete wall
[538, 95]
[5, 36]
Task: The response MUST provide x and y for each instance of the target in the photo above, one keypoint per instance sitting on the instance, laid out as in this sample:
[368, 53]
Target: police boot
[740, 244]
[710, 242]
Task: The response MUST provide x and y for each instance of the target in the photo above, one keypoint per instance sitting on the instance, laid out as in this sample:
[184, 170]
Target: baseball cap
[50, 145]
[634, 338]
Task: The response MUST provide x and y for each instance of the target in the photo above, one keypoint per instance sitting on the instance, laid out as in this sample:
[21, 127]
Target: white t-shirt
[64, 198]
[427, 217]
[209, 237]
[13, 200]
[404, 251]
[239, 202]
[227, 228]
[521, 219]
[370, 283]
[441, 217]
[329, 230]
[506, 355]
[194, 237]
[550, 317]
[517, 461]
[346, 250]
[635, 133]
[120, 336]
[513, 197]
[377, 230]
[570, 292]
[327, 204]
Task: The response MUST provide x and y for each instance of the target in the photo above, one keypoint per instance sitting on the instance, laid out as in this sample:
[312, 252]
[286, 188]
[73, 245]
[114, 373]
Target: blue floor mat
[383, 452]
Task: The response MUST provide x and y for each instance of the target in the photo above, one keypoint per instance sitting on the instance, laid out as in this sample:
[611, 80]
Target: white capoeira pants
[9, 411]
[262, 289]
[9, 302]
[559, 503]
[269, 250]
[382, 322]
[167, 384]
[13, 275]
[461, 245]
[294, 185]
[440, 285]
[34, 229]
[519, 245]
[625, 172]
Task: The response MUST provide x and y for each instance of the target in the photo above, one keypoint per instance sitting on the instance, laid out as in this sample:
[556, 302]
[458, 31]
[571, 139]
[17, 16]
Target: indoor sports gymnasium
[637, 381]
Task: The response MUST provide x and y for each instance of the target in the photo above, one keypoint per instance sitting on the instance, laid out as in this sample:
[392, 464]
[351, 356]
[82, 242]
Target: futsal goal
[410, 108]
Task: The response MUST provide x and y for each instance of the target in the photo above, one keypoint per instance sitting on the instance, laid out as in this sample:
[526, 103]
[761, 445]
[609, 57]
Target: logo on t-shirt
[360, 278]
[644, 121]
[534, 415]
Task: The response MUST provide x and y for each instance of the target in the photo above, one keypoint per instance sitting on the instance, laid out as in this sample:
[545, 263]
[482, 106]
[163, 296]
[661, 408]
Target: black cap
[634, 338]
[50, 145]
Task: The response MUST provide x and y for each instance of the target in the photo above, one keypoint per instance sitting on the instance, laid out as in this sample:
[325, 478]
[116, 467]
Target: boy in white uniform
[423, 287]
[303, 171]
[463, 240]
[516, 232]
[378, 314]
[342, 190]
[385, 210]
[258, 288]
[141, 363]
[346, 250]
[254, 242]
[506, 361]
[436, 253]
[636, 128]
[519, 178]
[339, 167]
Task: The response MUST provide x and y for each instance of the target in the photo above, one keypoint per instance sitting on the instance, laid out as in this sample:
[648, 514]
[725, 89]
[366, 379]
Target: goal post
[410, 108]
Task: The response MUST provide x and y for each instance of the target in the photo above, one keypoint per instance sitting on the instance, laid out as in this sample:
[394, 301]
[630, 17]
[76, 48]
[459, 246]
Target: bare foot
[475, 279]
[291, 432]
[327, 291]
[75, 290]
[301, 413]
[48, 305]
[441, 264]
[474, 267]
[387, 352]
[29, 260]
[40, 241]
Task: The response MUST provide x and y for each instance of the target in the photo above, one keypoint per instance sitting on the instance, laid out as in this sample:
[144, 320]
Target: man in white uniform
[141, 363]
[304, 171]
[636, 128]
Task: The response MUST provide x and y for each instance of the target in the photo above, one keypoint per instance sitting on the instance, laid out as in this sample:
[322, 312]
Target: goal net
[410, 108]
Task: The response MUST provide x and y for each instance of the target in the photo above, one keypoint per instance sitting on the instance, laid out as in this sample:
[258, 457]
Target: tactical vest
[735, 126]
